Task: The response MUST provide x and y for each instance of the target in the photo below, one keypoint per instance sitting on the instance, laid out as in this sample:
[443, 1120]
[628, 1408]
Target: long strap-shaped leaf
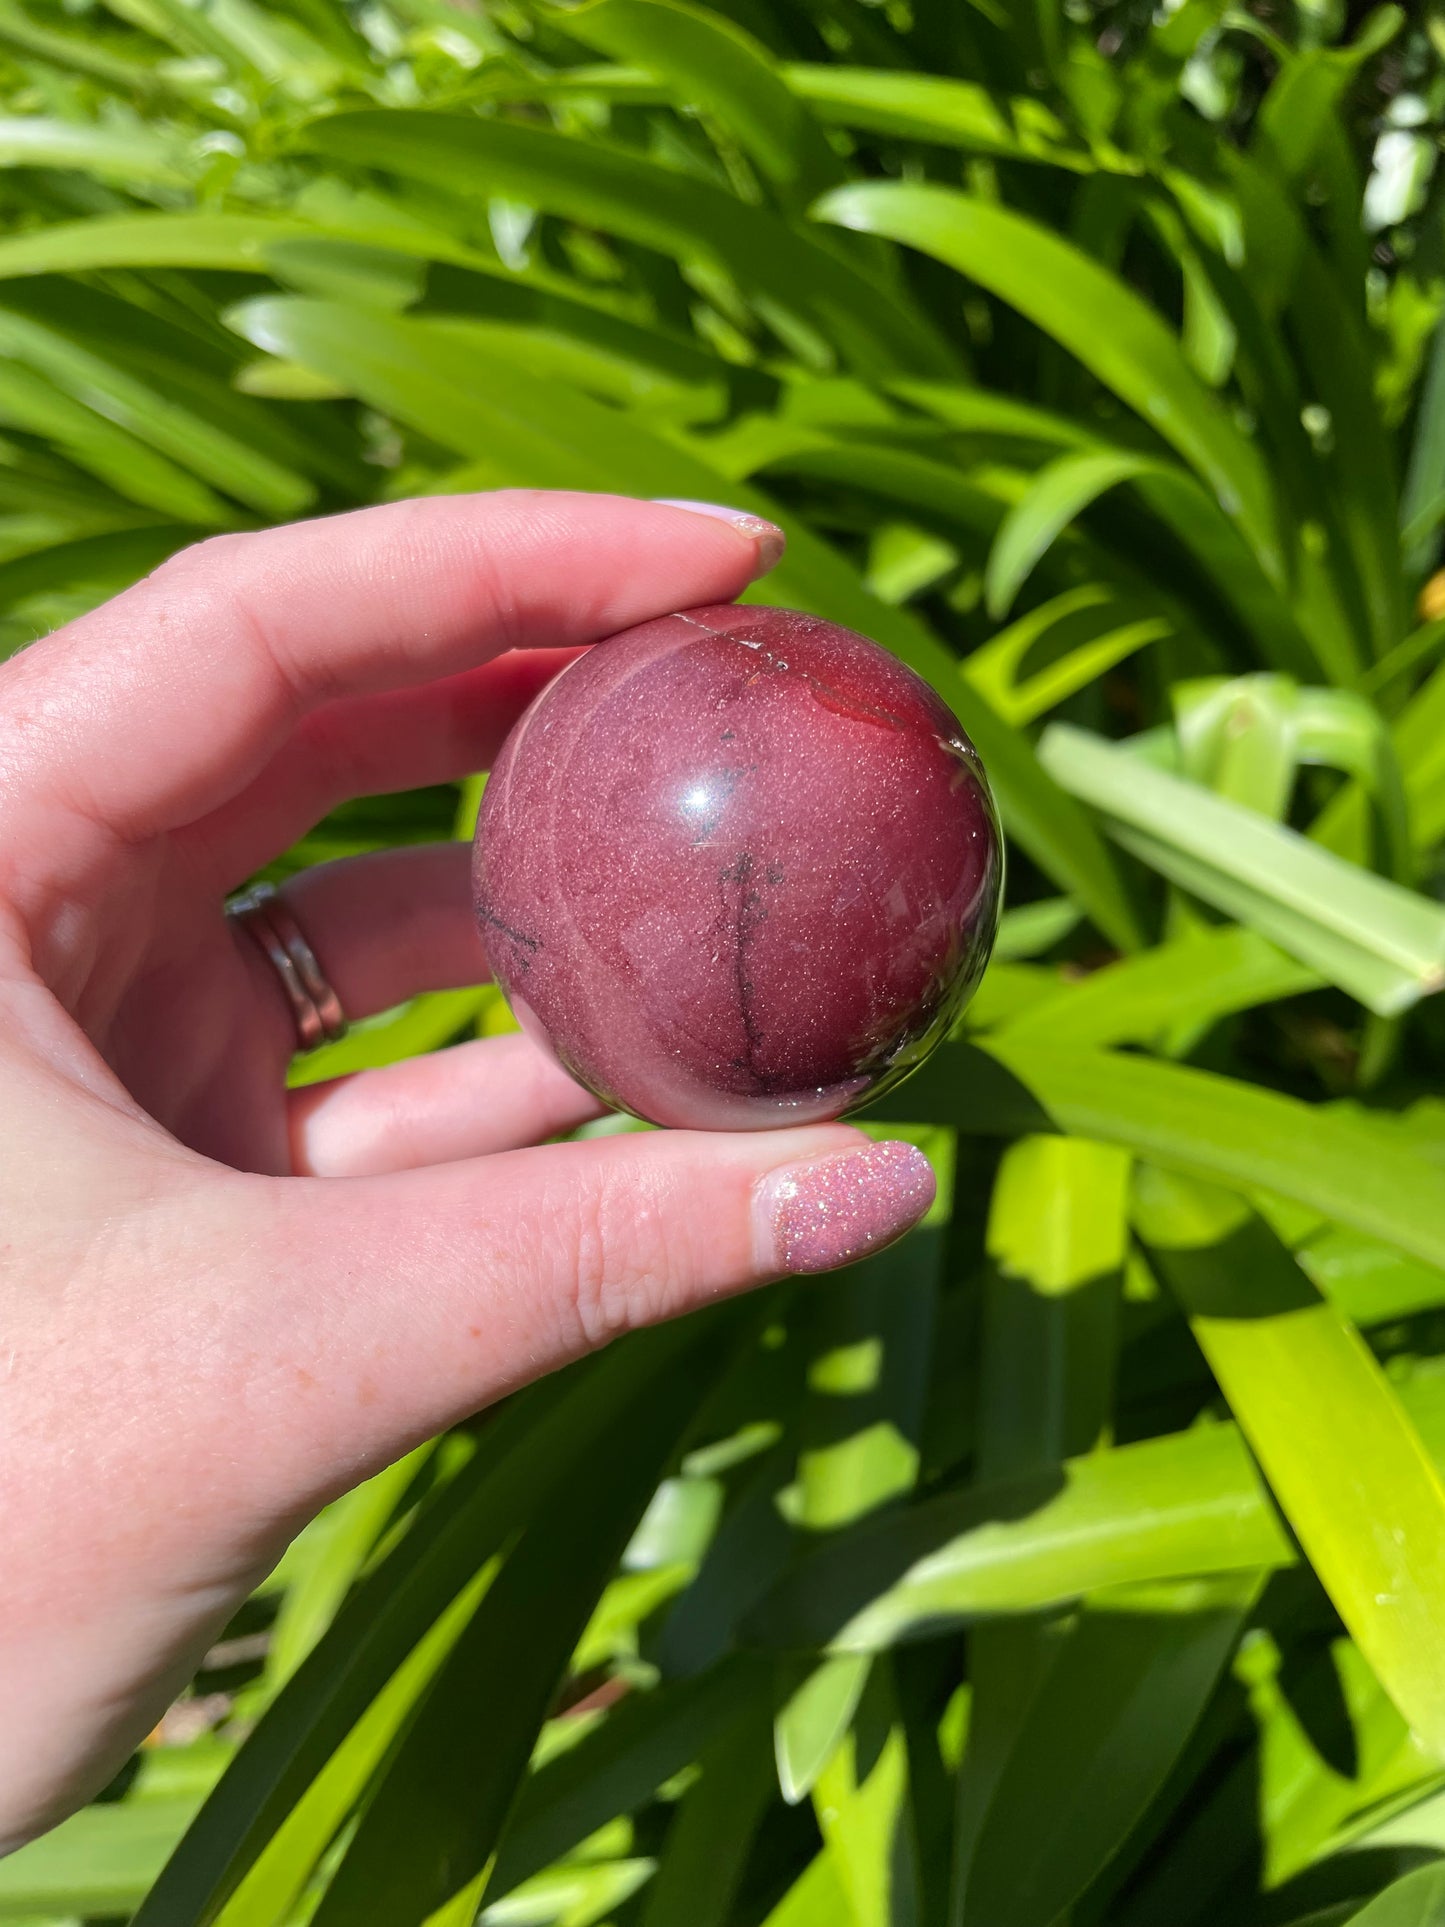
[1190, 1120]
[952, 113]
[713, 64]
[1107, 1725]
[1058, 1234]
[433, 1820]
[1060, 491]
[1194, 980]
[1091, 313]
[1184, 1505]
[661, 207]
[530, 1450]
[1350, 1471]
[1383, 943]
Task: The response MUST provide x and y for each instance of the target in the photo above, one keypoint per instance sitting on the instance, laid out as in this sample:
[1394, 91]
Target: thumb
[394, 1306]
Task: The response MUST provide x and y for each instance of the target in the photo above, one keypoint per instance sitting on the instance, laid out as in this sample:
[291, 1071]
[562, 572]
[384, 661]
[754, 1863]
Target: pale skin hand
[223, 1306]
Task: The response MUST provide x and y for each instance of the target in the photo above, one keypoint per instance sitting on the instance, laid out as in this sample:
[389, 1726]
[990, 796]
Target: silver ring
[315, 1006]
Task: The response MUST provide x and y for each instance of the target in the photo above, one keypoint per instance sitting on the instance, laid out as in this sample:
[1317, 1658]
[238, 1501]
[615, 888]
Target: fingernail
[834, 1209]
[768, 536]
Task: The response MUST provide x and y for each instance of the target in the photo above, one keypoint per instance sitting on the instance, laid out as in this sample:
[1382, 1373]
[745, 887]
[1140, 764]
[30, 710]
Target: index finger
[161, 705]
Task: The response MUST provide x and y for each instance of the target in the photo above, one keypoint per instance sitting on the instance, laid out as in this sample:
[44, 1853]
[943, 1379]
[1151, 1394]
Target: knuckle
[232, 580]
[619, 1257]
[204, 558]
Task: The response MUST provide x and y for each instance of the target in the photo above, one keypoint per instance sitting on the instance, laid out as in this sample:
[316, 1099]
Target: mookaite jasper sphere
[739, 867]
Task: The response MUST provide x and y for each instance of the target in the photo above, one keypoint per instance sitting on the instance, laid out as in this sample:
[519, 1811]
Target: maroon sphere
[739, 867]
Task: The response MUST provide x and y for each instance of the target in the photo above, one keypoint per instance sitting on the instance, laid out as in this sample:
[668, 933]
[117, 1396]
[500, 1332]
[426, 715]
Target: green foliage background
[1081, 1561]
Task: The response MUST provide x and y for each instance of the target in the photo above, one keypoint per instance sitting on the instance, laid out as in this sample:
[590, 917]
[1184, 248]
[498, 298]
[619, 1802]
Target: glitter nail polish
[835, 1209]
[769, 537]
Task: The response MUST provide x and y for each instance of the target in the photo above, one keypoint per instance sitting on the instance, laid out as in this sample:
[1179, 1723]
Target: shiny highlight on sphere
[738, 868]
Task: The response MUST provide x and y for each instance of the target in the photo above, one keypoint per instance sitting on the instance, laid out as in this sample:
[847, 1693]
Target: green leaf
[286, 1865]
[78, 52]
[1177, 1507]
[1057, 1234]
[712, 64]
[1306, 93]
[343, 1538]
[1058, 1213]
[1371, 1282]
[1034, 927]
[93, 567]
[862, 1419]
[982, 411]
[30, 401]
[1424, 491]
[432, 1821]
[705, 1854]
[1316, 1797]
[235, 242]
[861, 1803]
[207, 450]
[1194, 980]
[1332, 346]
[125, 154]
[993, 669]
[575, 1894]
[1060, 492]
[394, 1610]
[1348, 1468]
[1192, 1121]
[1382, 943]
[1105, 1727]
[426, 1023]
[949, 113]
[1416, 1901]
[617, 1766]
[817, 1898]
[1092, 314]
[1046, 821]
[660, 207]
[811, 1725]
[101, 1861]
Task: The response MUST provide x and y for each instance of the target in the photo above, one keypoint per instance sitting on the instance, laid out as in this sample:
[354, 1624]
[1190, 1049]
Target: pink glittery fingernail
[831, 1210]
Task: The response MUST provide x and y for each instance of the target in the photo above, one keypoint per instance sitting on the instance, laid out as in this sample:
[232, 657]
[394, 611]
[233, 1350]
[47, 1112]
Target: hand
[223, 1305]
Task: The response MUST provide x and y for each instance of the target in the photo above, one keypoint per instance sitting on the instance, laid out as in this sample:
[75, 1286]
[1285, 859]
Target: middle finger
[370, 746]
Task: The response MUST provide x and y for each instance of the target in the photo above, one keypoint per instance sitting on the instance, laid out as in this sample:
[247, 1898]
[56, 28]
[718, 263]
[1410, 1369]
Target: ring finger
[384, 927]
[391, 924]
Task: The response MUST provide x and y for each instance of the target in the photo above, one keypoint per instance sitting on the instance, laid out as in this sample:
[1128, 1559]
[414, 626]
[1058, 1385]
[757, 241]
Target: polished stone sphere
[738, 867]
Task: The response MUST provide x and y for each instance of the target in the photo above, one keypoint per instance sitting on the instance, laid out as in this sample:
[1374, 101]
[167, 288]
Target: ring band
[314, 1003]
